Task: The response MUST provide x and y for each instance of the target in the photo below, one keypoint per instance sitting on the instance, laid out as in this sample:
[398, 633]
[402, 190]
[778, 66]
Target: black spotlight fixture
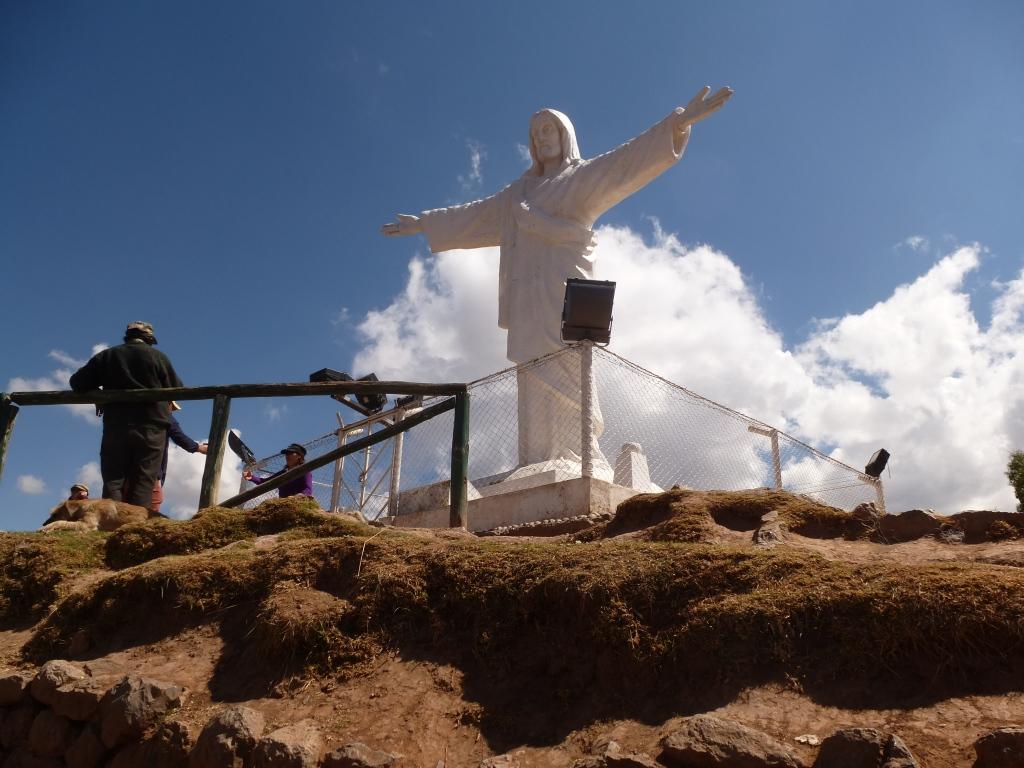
[373, 402]
[877, 463]
[366, 404]
[587, 312]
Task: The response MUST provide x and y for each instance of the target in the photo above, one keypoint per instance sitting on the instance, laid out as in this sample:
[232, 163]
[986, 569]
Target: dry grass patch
[690, 516]
[35, 569]
[217, 526]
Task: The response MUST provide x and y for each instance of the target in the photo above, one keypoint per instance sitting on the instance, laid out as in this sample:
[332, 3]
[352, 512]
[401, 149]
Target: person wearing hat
[176, 435]
[79, 491]
[134, 434]
[294, 455]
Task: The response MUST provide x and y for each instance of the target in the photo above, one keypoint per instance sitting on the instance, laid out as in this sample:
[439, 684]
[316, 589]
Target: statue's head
[552, 138]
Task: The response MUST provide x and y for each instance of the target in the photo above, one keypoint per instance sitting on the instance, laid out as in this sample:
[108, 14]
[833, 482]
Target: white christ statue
[543, 223]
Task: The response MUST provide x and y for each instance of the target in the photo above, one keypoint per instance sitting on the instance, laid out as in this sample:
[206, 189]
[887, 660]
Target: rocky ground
[692, 629]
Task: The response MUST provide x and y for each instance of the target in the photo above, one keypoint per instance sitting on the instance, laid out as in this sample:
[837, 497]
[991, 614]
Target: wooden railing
[457, 399]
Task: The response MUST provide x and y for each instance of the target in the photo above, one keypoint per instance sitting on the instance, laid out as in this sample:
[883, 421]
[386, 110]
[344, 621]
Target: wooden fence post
[215, 451]
[458, 516]
[8, 411]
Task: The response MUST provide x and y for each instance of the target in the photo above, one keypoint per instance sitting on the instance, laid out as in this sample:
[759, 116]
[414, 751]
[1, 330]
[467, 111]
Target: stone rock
[87, 751]
[12, 686]
[853, 748]
[22, 757]
[16, 726]
[50, 734]
[79, 699]
[704, 741]
[616, 757]
[228, 739]
[167, 748]
[908, 526]
[295, 746]
[769, 534]
[358, 755]
[1002, 748]
[499, 761]
[897, 755]
[51, 676]
[866, 513]
[590, 761]
[133, 705]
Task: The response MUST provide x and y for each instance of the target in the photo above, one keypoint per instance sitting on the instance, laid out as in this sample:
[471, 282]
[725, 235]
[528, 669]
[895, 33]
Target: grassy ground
[672, 612]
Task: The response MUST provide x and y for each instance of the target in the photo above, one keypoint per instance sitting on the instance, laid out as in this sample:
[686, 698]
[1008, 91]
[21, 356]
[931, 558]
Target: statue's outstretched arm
[701, 106]
[404, 224]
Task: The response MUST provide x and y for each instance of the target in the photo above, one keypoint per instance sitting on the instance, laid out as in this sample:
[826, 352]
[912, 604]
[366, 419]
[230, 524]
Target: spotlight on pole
[587, 312]
[876, 463]
[367, 403]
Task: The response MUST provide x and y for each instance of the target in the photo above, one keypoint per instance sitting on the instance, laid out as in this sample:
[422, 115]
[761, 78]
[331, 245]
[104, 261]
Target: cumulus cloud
[472, 180]
[31, 485]
[916, 373]
[89, 474]
[57, 379]
[185, 476]
[523, 152]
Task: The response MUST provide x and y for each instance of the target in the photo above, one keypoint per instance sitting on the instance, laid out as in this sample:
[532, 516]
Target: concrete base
[568, 498]
[429, 497]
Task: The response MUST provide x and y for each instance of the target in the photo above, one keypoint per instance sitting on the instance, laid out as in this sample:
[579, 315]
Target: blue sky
[221, 170]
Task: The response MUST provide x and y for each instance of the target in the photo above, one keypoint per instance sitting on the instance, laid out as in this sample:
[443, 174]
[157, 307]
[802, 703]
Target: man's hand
[405, 225]
[701, 106]
[202, 448]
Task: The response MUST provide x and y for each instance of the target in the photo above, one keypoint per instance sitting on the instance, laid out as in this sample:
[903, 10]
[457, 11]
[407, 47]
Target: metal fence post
[396, 467]
[458, 516]
[586, 408]
[215, 452]
[8, 412]
[339, 471]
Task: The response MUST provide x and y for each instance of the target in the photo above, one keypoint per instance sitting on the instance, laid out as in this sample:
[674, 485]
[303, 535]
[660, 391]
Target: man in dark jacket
[134, 434]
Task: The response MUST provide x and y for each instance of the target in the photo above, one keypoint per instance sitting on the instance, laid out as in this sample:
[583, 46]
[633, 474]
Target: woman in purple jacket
[294, 455]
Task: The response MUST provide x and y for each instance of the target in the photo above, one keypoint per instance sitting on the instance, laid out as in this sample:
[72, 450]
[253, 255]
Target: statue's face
[547, 140]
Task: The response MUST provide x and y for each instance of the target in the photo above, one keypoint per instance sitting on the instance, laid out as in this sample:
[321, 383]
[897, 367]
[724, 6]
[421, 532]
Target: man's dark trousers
[130, 459]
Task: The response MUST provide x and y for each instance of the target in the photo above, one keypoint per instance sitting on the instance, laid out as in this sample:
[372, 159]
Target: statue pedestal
[584, 499]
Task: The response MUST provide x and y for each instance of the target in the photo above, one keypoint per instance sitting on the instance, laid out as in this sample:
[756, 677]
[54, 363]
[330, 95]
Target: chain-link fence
[646, 433]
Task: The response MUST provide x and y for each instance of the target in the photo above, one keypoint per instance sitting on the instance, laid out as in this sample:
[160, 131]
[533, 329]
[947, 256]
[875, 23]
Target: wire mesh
[647, 433]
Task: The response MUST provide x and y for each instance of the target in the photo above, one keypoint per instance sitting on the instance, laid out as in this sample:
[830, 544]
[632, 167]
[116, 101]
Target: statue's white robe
[543, 227]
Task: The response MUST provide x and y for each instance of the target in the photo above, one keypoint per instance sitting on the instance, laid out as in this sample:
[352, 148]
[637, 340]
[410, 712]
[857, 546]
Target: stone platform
[561, 498]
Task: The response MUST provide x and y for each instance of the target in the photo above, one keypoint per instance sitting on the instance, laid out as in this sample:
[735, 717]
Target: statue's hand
[702, 106]
[405, 225]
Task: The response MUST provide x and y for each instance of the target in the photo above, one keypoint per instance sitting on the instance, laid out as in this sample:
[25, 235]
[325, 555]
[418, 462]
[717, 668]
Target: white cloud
[65, 359]
[89, 474]
[471, 181]
[185, 476]
[275, 413]
[58, 380]
[523, 152]
[916, 373]
[31, 484]
[916, 243]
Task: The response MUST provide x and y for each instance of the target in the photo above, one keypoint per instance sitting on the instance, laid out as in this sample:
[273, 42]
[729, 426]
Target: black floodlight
[371, 401]
[587, 312]
[409, 401]
[328, 375]
[877, 463]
